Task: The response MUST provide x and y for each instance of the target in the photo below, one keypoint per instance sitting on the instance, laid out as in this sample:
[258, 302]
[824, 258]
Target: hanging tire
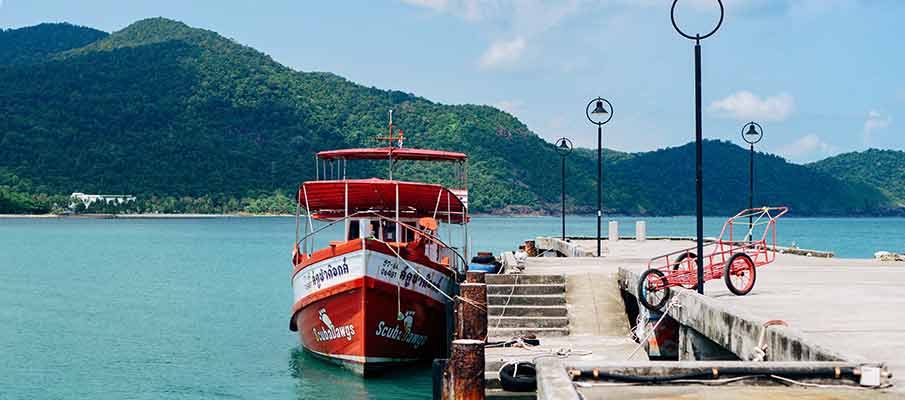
[653, 300]
[679, 266]
[740, 274]
[519, 376]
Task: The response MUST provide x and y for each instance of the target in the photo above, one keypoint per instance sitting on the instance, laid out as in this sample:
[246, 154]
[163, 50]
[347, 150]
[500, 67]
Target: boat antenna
[394, 135]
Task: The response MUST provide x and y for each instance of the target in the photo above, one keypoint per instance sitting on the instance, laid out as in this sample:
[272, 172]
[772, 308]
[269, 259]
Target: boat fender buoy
[483, 259]
[518, 376]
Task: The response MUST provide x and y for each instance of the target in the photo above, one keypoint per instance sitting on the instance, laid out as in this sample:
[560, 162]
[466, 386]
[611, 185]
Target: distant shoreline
[137, 216]
[252, 215]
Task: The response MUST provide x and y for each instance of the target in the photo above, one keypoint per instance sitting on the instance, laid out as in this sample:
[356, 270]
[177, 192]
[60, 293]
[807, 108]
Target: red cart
[733, 260]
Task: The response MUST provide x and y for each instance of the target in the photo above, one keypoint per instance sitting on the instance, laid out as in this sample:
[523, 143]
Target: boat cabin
[400, 213]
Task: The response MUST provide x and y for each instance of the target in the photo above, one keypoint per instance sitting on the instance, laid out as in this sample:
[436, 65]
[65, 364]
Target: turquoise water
[197, 309]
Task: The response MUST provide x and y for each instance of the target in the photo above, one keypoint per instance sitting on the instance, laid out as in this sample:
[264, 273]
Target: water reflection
[318, 379]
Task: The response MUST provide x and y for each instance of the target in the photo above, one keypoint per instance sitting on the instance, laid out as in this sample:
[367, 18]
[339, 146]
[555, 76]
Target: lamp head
[563, 146]
[599, 110]
[751, 131]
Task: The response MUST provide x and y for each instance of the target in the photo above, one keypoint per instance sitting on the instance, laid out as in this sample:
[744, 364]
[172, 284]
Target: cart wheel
[690, 271]
[653, 299]
[739, 274]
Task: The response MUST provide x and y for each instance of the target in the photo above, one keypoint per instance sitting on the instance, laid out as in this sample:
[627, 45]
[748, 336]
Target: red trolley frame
[727, 258]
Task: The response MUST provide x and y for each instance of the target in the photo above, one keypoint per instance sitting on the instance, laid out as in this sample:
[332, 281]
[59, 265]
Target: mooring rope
[508, 299]
[409, 266]
[672, 303]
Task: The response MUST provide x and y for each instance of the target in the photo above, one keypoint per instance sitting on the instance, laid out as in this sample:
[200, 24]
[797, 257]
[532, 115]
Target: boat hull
[367, 310]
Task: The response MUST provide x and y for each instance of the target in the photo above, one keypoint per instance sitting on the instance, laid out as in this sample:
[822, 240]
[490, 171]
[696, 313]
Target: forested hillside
[884, 169]
[193, 122]
[36, 43]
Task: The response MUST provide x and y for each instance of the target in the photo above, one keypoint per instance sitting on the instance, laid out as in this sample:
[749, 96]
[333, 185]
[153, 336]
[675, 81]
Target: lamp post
[599, 116]
[752, 133]
[563, 148]
[698, 146]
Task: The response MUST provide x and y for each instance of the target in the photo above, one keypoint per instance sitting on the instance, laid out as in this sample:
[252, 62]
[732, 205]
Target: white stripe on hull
[376, 265]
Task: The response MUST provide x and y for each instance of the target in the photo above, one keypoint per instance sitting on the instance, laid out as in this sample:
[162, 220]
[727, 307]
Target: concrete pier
[837, 310]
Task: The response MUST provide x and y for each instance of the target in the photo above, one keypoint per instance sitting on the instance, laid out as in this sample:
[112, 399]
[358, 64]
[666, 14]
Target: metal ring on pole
[587, 111]
[759, 129]
[672, 15]
[563, 146]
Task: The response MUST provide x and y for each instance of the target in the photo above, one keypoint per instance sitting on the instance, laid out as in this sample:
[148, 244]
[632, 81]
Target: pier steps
[531, 322]
[526, 289]
[527, 311]
[526, 300]
[526, 305]
[509, 279]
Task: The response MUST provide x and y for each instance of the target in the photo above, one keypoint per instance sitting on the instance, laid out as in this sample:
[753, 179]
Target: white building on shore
[89, 199]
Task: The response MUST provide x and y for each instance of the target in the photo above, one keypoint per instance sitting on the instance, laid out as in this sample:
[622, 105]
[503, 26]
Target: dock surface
[853, 309]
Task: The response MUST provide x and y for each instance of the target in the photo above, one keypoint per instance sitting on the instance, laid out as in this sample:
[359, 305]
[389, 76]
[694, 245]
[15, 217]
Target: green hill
[36, 43]
[191, 121]
[883, 169]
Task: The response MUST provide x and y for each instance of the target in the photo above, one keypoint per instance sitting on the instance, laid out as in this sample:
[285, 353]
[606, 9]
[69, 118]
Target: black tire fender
[518, 376]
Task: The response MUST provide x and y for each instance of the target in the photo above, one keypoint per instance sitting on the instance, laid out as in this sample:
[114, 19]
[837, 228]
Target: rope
[415, 270]
[505, 306]
[561, 352]
[479, 306]
[672, 303]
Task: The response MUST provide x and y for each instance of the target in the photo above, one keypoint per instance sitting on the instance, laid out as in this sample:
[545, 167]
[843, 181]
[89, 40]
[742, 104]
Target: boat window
[408, 235]
[389, 231]
[354, 229]
[375, 229]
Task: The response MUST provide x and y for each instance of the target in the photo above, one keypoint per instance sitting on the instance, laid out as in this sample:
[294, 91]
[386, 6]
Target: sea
[199, 308]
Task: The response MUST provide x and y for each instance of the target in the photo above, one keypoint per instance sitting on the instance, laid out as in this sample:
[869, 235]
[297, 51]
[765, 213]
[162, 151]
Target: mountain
[33, 44]
[883, 169]
[193, 121]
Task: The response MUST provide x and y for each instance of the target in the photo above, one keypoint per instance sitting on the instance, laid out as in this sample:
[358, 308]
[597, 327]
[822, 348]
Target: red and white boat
[372, 281]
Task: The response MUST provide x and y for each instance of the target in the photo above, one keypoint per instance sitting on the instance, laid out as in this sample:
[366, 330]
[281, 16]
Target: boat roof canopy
[327, 199]
[382, 153]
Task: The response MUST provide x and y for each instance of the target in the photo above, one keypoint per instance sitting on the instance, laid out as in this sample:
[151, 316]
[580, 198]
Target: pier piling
[464, 375]
[475, 277]
[471, 311]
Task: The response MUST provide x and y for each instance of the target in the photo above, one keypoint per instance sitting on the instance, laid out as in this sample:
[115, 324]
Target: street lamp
[752, 133]
[698, 145]
[563, 148]
[599, 116]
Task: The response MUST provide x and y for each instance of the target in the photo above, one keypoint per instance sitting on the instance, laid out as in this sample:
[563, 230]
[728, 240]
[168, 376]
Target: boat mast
[393, 136]
[390, 154]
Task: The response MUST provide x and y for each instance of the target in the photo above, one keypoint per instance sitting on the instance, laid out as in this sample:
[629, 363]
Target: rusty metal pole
[464, 376]
[471, 311]
[475, 277]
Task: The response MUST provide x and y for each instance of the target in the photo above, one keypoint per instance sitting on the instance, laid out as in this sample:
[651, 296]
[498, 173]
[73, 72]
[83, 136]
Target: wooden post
[471, 312]
[464, 376]
[475, 277]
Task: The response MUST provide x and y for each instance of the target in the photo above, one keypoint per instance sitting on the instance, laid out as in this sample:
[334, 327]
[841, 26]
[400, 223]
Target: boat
[373, 284]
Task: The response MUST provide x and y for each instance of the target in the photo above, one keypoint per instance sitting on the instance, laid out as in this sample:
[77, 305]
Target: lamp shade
[599, 110]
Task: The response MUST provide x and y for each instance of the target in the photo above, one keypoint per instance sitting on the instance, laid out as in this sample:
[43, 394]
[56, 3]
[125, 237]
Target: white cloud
[807, 148]
[874, 121]
[521, 21]
[744, 105]
[503, 53]
[438, 5]
[509, 106]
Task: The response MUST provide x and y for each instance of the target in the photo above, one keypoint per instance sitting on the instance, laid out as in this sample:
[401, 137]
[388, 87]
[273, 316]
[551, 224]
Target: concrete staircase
[526, 304]
[518, 305]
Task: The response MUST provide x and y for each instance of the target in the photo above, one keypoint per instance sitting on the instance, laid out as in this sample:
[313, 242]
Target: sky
[821, 76]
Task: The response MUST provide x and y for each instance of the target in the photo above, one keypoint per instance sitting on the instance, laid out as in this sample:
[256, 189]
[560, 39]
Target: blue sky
[821, 76]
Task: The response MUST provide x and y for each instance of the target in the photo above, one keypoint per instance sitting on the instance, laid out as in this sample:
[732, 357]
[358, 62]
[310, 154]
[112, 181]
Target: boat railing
[454, 264]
